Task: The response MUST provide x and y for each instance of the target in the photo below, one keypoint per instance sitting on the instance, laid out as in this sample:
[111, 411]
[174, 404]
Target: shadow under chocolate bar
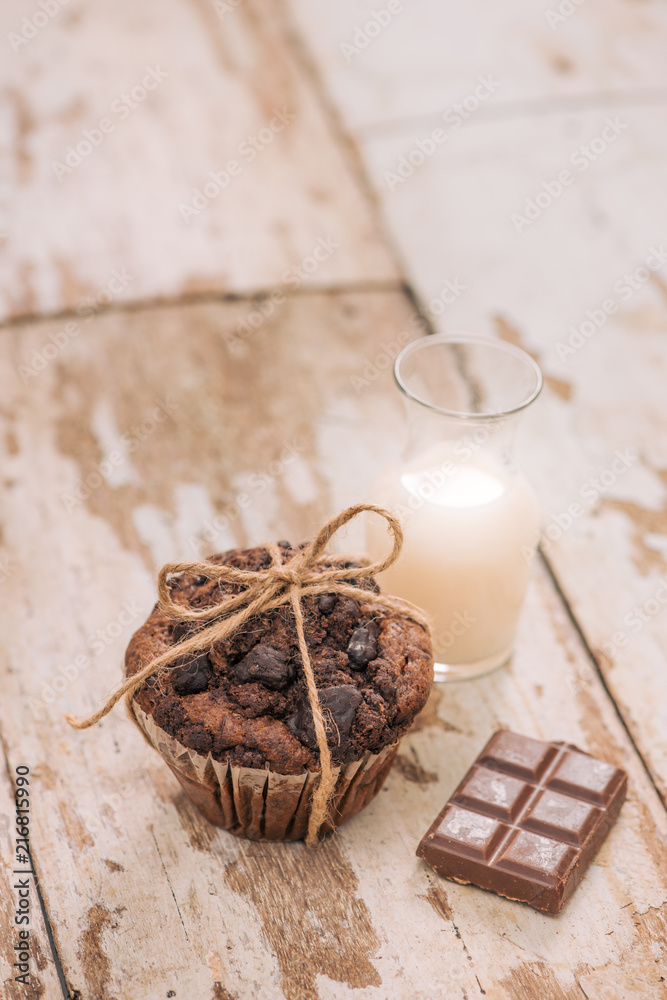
[526, 820]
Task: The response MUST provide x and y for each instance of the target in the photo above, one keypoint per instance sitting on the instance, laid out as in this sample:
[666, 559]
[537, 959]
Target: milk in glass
[470, 529]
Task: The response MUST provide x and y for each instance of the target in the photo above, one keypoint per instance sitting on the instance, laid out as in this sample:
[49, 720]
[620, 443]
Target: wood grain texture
[127, 862]
[184, 91]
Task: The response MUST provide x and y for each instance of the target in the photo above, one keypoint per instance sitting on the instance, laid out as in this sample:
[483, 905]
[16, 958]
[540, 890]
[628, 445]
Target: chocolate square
[526, 820]
[492, 793]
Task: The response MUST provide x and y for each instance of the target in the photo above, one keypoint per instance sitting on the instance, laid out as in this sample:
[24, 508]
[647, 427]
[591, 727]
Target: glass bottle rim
[446, 338]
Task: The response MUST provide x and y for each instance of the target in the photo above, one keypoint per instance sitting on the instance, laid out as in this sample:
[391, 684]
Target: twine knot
[286, 573]
[307, 573]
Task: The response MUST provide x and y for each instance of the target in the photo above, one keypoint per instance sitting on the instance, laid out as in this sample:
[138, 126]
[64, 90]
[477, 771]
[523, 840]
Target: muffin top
[245, 699]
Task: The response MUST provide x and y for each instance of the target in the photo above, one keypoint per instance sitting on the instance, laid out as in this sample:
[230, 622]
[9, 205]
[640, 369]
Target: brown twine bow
[306, 574]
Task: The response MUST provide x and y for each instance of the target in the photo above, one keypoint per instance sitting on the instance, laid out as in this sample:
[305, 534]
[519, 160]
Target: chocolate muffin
[234, 722]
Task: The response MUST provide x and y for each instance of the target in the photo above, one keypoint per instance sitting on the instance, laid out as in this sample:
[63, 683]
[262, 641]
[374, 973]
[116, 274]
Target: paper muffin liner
[261, 804]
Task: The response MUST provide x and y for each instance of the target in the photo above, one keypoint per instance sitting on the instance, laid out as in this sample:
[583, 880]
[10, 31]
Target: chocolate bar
[526, 820]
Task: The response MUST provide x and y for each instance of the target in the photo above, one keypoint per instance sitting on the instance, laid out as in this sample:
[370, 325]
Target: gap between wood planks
[195, 298]
[346, 143]
[538, 107]
[596, 667]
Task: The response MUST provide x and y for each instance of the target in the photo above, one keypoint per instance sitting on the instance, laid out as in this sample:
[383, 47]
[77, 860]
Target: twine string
[308, 573]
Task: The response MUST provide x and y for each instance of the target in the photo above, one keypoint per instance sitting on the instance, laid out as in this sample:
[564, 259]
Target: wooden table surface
[165, 352]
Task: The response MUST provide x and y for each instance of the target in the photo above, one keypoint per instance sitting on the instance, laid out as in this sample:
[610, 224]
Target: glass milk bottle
[470, 518]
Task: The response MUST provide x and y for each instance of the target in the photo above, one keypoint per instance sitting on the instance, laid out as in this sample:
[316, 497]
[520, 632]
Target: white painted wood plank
[127, 864]
[92, 213]
[383, 62]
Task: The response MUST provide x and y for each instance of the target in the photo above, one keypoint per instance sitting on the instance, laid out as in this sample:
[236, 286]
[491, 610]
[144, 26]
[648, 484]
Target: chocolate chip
[340, 703]
[267, 665]
[293, 723]
[191, 674]
[363, 647]
[181, 630]
[326, 603]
